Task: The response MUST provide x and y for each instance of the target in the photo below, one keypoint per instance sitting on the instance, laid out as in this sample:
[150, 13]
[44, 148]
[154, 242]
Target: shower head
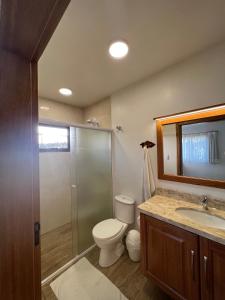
[93, 122]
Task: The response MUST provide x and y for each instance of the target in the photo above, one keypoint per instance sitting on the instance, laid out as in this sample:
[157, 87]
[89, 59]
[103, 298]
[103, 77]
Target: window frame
[55, 149]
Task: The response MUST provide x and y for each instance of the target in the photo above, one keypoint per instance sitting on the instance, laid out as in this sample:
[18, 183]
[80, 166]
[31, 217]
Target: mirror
[191, 147]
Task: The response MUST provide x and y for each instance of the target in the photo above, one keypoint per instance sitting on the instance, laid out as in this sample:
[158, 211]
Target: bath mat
[84, 282]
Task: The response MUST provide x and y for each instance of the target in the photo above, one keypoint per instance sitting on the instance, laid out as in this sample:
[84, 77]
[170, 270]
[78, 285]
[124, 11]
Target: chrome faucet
[204, 202]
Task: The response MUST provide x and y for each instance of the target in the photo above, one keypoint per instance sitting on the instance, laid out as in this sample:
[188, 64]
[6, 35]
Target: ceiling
[159, 33]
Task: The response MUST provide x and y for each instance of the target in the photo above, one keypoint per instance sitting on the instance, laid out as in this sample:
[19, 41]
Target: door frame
[25, 29]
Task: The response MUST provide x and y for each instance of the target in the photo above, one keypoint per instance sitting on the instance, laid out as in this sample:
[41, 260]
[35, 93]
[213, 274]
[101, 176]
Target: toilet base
[109, 255]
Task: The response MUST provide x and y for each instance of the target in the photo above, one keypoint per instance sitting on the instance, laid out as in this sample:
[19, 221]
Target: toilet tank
[124, 209]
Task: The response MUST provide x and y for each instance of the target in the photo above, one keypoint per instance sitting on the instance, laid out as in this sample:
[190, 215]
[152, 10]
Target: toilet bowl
[109, 233]
[108, 237]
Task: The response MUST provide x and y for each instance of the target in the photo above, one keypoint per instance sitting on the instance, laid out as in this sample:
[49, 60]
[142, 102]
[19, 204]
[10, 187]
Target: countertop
[164, 209]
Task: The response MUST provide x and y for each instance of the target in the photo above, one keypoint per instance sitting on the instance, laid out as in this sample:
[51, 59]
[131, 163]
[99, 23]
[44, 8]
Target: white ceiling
[159, 33]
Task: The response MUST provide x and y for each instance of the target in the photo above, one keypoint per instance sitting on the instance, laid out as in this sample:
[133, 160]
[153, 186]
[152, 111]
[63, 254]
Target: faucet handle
[204, 202]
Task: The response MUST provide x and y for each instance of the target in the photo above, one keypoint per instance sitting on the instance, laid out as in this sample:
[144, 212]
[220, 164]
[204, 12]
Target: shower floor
[56, 249]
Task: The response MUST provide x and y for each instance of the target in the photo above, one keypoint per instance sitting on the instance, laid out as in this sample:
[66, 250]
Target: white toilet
[109, 233]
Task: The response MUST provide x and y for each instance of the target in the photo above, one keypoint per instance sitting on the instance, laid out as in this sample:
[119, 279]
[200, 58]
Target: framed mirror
[191, 147]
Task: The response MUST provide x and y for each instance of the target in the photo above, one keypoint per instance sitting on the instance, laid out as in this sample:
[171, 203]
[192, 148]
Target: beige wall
[194, 83]
[101, 111]
[59, 112]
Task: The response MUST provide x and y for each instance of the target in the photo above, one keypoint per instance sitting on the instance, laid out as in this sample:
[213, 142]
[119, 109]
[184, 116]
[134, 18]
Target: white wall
[55, 192]
[59, 112]
[194, 83]
[101, 111]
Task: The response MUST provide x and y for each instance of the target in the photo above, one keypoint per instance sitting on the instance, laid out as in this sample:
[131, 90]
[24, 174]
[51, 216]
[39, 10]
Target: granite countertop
[164, 208]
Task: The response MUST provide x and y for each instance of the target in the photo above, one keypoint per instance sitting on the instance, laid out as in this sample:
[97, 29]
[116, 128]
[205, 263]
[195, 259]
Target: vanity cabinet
[212, 264]
[185, 265]
[170, 257]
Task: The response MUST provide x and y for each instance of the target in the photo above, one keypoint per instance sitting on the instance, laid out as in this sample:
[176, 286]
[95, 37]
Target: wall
[101, 111]
[59, 112]
[194, 83]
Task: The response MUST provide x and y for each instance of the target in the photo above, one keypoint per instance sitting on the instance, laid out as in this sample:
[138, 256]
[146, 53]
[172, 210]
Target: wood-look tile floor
[126, 275]
[56, 249]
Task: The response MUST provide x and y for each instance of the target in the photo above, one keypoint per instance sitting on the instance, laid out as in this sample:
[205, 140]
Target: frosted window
[53, 138]
[195, 148]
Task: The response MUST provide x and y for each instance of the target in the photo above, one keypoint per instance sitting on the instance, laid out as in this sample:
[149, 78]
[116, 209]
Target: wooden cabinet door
[212, 263]
[170, 258]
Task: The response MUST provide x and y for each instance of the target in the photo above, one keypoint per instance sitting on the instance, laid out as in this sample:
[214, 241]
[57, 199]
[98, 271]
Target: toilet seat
[107, 229]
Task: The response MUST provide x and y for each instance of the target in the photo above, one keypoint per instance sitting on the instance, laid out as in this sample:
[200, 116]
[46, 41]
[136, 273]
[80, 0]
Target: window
[195, 148]
[53, 138]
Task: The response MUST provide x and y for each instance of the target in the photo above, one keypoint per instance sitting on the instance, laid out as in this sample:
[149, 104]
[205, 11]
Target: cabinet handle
[205, 258]
[193, 264]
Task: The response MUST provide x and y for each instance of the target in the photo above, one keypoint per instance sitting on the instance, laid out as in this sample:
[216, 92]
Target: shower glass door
[92, 187]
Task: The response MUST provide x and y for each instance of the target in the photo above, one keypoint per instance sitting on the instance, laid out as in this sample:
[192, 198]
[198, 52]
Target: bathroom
[130, 200]
[111, 132]
[110, 126]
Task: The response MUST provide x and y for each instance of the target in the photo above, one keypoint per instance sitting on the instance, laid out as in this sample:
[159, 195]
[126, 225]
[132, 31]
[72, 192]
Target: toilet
[109, 233]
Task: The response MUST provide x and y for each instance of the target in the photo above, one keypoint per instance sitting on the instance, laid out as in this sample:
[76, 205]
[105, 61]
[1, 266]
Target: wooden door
[19, 267]
[212, 263]
[25, 28]
[170, 258]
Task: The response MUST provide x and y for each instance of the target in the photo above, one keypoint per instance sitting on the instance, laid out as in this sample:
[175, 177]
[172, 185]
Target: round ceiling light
[118, 49]
[65, 92]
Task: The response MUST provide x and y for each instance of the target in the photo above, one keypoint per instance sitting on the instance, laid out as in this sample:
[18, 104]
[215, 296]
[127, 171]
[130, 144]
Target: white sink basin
[202, 218]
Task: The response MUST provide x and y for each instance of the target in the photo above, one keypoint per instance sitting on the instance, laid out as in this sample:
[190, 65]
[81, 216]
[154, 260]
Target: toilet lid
[107, 229]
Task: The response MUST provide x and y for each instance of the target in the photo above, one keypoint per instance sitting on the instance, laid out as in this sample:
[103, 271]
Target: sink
[203, 218]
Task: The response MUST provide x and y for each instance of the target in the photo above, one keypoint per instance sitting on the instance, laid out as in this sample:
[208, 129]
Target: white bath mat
[83, 281]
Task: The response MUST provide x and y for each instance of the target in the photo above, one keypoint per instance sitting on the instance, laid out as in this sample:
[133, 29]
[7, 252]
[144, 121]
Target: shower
[93, 122]
[75, 191]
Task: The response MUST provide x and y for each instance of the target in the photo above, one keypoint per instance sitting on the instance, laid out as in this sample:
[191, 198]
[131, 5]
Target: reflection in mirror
[170, 149]
[195, 149]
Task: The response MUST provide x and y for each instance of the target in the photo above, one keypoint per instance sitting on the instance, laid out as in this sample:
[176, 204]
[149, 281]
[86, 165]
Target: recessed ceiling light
[65, 92]
[118, 49]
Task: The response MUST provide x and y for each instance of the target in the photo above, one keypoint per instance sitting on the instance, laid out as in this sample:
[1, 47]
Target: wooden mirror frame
[203, 115]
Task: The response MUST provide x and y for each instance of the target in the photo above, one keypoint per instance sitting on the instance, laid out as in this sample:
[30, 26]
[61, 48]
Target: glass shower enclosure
[91, 175]
[76, 186]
